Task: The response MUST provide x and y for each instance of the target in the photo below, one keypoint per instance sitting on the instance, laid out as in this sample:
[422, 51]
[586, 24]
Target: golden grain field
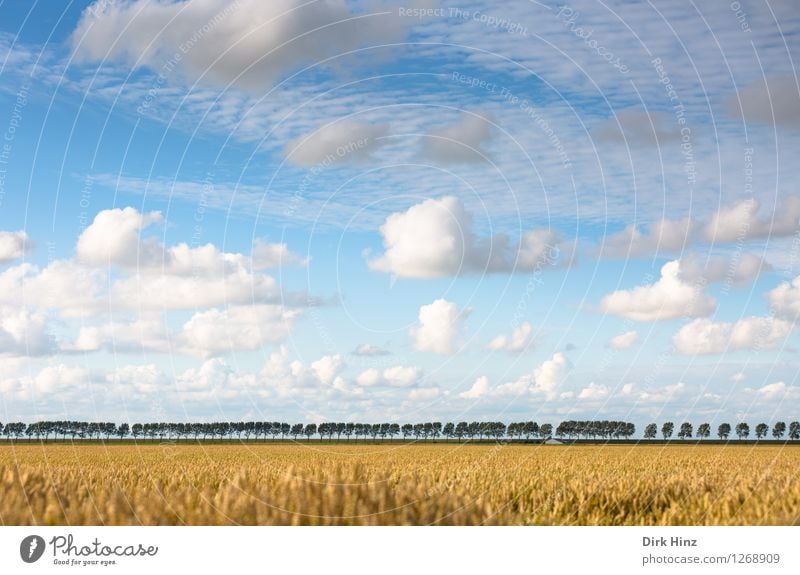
[324, 484]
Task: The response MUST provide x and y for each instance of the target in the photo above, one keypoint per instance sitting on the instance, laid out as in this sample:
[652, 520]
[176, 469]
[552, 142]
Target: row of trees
[686, 430]
[596, 429]
[250, 430]
[255, 430]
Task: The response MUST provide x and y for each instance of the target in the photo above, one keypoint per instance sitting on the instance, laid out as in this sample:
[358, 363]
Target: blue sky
[388, 211]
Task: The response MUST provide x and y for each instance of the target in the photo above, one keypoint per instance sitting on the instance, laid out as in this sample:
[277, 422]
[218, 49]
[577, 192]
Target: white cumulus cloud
[435, 239]
[518, 341]
[113, 238]
[338, 142]
[594, 391]
[785, 299]
[545, 380]
[623, 340]
[439, 327]
[460, 142]
[71, 289]
[741, 221]
[668, 298]
[266, 255]
[24, 332]
[13, 245]
[327, 368]
[704, 336]
[237, 328]
[207, 333]
[369, 350]
[778, 390]
[739, 268]
[662, 236]
[166, 292]
[247, 43]
[478, 389]
[396, 376]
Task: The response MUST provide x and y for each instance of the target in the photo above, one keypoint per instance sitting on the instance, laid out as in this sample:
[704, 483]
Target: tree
[530, 429]
[310, 430]
[794, 430]
[449, 430]
[497, 429]
[650, 431]
[546, 431]
[667, 429]
[724, 430]
[703, 431]
[374, 430]
[761, 430]
[742, 430]
[297, 429]
[686, 430]
[46, 428]
[779, 429]
[123, 430]
[34, 429]
[275, 429]
[222, 429]
[630, 430]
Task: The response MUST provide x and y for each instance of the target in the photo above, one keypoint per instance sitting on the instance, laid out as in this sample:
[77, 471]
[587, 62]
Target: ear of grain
[398, 485]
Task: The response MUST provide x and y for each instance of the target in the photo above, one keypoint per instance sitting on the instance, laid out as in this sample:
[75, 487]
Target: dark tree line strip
[496, 430]
[762, 430]
[595, 429]
[266, 429]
